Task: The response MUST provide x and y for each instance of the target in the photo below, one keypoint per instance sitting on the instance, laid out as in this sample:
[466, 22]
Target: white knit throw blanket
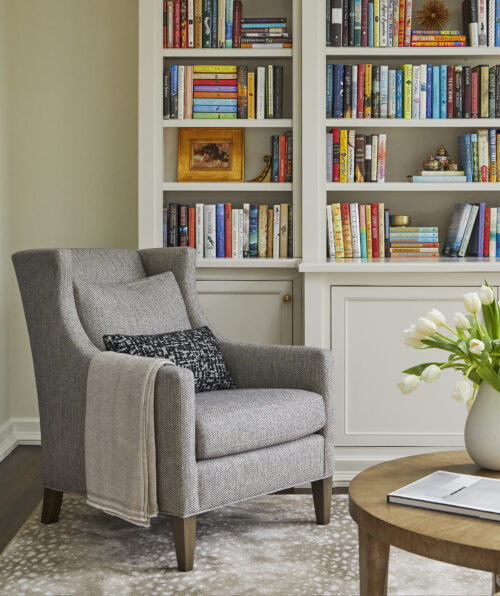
[120, 455]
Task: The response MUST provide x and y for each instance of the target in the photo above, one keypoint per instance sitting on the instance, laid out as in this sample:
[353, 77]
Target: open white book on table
[452, 493]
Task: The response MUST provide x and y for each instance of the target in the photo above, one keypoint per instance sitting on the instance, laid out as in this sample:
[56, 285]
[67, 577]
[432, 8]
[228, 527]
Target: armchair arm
[286, 367]
[177, 479]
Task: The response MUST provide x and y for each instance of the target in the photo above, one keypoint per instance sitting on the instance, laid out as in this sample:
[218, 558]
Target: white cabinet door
[249, 311]
[369, 352]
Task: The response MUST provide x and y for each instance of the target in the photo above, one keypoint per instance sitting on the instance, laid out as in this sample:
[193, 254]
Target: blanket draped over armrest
[120, 454]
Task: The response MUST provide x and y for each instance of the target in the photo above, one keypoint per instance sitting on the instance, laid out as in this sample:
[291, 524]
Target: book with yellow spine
[376, 23]
[215, 68]
[498, 156]
[337, 230]
[368, 91]
[251, 95]
[369, 252]
[346, 229]
[262, 231]
[381, 230]
[407, 89]
[343, 160]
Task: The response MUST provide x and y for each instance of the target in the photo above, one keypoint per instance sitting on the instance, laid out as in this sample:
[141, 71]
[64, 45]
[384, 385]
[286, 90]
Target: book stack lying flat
[358, 231]
[474, 230]
[264, 32]
[414, 242]
[438, 39]
[439, 176]
[352, 157]
[215, 91]
[219, 231]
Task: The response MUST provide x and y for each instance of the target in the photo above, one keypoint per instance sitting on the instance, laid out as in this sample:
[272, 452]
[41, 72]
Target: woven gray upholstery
[147, 306]
[62, 352]
[238, 420]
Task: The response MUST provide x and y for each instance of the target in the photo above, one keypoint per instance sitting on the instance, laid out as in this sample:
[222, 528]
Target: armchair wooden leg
[52, 501]
[184, 537]
[322, 495]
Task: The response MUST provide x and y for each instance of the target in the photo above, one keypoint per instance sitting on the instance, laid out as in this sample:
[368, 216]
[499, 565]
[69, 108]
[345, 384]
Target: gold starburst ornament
[433, 15]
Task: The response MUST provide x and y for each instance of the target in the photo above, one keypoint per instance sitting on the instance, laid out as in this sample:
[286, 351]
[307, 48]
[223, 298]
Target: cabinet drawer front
[249, 311]
[367, 340]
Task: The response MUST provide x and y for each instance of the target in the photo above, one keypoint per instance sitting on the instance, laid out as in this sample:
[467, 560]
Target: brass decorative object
[265, 175]
[452, 166]
[433, 15]
[400, 220]
[443, 157]
[431, 164]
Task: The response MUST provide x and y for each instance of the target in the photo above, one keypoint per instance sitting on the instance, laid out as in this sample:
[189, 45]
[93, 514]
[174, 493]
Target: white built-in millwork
[234, 123]
[361, 123]
[415, 187]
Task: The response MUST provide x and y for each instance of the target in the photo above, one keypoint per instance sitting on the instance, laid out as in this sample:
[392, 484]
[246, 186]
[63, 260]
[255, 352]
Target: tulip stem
[452, 330]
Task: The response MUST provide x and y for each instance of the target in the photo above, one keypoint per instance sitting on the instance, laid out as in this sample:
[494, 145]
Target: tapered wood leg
[52, 501]
[322, 495]
[373, 565]
[184, 535]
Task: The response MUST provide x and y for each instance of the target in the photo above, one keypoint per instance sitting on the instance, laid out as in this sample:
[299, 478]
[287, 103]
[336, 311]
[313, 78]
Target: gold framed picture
[211, 155]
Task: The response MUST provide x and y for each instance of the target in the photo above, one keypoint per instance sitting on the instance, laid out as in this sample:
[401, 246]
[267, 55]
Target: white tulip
[409, 384]
[431, 373]
[461, 391]
[472, 302]
[486, 295]
[476, 346]
[437, 317]
[413, 337]
[426, 327]
[461, 322]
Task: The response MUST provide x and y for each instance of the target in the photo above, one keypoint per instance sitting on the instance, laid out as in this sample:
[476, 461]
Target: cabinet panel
[249, 311]
[367, 340]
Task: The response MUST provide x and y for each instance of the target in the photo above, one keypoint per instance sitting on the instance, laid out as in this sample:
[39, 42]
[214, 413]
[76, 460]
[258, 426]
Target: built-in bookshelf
[158, 136]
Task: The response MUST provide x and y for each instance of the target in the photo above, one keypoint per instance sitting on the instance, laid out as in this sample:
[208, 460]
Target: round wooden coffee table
[456, 539]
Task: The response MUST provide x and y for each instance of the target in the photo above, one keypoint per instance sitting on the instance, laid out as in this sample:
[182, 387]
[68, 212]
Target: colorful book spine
[337, 230]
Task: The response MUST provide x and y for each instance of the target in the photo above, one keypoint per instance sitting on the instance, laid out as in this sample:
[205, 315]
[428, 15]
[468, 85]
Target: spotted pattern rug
[269, 545]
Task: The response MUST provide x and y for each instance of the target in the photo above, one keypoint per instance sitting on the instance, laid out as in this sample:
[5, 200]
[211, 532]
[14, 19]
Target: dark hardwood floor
[21, 482]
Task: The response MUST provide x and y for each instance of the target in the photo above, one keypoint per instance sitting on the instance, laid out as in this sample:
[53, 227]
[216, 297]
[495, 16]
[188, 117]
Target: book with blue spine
[431, 179]
[214, 102]
[399, 93]
[329, 90]
[275, 158]
[435, 92]
[357, 23]
[428, 96]
[416, 237]
[338, 90]
[465, 155]
[497, 22]
[229, 24]
[370, 24]
[174, 91]
[480, 238]
[253, 232]
[456, 229]
[215, 109]
[220, 241]
[329, 157]
[498, 232]
[443, 90]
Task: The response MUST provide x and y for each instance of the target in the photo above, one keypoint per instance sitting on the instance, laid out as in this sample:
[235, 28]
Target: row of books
[474, 230]
[219, 231]
[420, 241]
[222, 91]
[478, 157]
[412, 91]
[355, 157]
[282, 157]
[481, 22]
[219, 24]
[359, 231]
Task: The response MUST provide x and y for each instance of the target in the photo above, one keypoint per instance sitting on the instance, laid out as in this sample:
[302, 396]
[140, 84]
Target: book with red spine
[474, 84]
[164, 24]
[228, 229]
[487, 224]
[336, 154]
[364, 23]
[346, 229]
[375, 240]
[450, 79]
[361, 90]
[184, 23]
[177, 23]
[215, 82]
[191, 228]
[237, 10]
[282, 159]
[401, 33]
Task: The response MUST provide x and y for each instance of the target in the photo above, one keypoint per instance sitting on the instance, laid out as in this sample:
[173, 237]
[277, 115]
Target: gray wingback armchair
[273, 432]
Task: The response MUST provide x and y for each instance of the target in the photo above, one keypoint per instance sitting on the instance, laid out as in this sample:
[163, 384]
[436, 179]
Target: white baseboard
[18, 431]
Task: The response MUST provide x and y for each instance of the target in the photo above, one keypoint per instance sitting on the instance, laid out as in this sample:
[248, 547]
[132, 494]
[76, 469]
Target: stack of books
[474, 230]
[388, 23]
[478, 155]
[227, 91]
[219, 24]
[219, 231]
[412, 91]
[427, 176]
[421, 242]
[265, 32]
[358, 231]
[355, 157]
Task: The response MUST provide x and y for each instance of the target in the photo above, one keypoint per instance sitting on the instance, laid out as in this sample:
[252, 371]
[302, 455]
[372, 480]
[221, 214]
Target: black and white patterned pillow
[194, 349]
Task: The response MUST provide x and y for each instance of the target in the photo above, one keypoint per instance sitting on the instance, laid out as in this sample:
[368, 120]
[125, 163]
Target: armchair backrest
[62, 350]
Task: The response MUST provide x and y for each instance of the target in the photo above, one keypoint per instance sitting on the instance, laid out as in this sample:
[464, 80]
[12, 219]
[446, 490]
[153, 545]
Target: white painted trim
[18, 431]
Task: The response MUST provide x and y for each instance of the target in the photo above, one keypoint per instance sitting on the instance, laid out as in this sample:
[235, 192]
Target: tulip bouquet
[473, 346]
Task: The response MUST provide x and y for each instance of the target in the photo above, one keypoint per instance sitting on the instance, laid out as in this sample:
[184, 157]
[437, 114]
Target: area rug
[269, 545]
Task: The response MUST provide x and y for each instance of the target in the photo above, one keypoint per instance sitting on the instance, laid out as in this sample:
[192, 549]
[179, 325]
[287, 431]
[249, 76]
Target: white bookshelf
[472, 123]
[375, 53]
[456, 187]
[224, 54]
[234, 123]
[256, 187]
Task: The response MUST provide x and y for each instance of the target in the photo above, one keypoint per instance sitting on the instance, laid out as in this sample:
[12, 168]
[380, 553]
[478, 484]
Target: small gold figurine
[265, 175]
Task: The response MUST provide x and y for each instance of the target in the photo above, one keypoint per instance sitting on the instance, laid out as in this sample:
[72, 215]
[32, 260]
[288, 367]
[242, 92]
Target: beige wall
[72, 142]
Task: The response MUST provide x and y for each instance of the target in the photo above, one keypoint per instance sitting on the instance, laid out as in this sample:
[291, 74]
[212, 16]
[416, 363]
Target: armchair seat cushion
[238, 420]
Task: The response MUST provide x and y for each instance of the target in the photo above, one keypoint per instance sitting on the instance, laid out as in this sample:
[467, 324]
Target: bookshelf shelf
[413, 122]
[411, 265]
[236, 123]
[414, 187]
[247, 263]
[229, 186]
[436, 53]
[229, 53]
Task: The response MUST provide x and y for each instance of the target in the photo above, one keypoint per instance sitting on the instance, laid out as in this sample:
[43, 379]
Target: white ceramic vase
[482, 429]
